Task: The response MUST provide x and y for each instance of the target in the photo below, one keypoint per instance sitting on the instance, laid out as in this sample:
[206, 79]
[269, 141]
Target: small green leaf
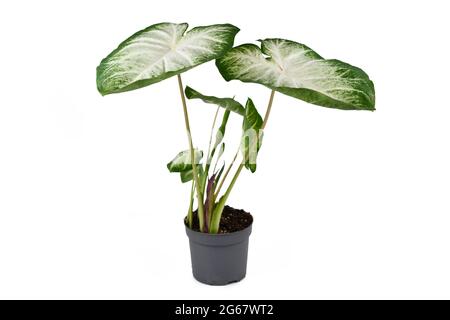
[296, 70]
[161, 51]
[251, 135]
[227, 103]
[182, 161]
[186, 176]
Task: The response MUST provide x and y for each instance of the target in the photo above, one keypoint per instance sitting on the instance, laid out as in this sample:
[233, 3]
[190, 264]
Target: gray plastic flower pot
[219, 259]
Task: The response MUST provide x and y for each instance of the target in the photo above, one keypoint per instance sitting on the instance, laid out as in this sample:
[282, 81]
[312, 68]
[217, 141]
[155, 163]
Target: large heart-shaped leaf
[251, 135]
[227, 103]
[296, 70]
[159, 52]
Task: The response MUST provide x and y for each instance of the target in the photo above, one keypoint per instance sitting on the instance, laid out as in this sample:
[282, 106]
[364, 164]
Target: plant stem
[269, 107]
[208, 155]
[191, 204]
[226, 174]
[233, 181]
[217, 214]
[211, 135]
[191, 148]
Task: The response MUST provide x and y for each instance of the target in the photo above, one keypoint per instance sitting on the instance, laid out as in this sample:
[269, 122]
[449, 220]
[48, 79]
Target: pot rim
[218, 239]
[207, 234]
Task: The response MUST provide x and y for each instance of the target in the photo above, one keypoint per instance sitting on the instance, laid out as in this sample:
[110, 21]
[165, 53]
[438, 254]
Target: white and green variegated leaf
[252, 134]
[227, 103]
[296, 70]
[182, 161]
[159, 52]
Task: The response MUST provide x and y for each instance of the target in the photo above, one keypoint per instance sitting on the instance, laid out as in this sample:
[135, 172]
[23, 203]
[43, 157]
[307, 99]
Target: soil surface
[232, 220]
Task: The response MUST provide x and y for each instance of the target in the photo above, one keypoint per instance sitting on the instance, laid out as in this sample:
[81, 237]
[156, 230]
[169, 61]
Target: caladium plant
[167, 49]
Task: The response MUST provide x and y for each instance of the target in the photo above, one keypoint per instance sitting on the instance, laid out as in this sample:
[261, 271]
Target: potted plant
[219, 234]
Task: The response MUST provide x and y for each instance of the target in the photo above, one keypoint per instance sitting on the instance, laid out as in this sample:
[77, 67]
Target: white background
[346, 204]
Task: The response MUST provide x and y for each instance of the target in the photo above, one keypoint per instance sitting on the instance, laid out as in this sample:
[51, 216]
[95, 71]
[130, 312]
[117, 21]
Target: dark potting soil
[232, 220]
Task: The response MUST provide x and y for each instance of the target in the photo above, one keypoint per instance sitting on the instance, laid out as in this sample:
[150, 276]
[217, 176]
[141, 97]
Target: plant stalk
[190, 214]
[269, 108]
[217, 214]
[226, 174]
[208, 155]
[191, 148]
[211, 134]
